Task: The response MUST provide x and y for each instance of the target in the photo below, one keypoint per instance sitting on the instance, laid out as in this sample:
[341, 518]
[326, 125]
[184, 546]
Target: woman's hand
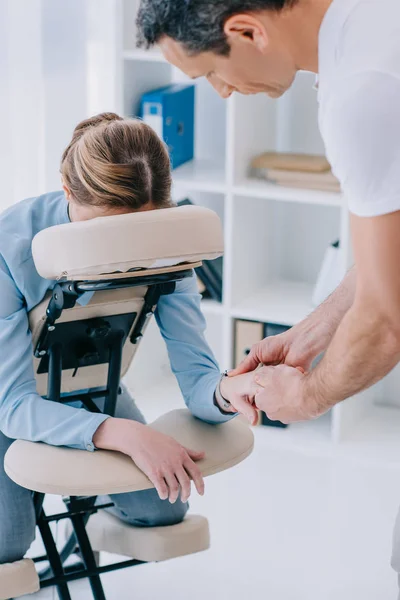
[240, 392]
[167, 464]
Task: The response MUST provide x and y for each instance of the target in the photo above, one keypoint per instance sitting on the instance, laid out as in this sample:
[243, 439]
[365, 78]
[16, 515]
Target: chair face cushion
[142, 240]
[65, 471]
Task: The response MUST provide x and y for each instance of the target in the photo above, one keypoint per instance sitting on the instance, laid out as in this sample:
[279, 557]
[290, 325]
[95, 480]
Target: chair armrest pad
[66, 471]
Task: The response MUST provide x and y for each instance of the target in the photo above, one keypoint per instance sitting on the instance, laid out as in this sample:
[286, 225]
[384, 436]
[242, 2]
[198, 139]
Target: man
[253, 46]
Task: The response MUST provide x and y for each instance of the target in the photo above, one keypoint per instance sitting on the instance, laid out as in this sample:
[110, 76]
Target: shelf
[201, 175]
[283, 302]
[257, 188]
[144, 55]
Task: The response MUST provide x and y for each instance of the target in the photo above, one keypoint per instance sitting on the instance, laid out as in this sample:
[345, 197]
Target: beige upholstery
[66, 471]
[149, 544]
[18, 579]
[120, 243]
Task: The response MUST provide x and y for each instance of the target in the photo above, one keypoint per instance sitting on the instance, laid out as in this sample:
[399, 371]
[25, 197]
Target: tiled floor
[286, 525]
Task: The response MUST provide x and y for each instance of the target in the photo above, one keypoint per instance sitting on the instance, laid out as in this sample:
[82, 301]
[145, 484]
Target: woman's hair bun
[106, 117]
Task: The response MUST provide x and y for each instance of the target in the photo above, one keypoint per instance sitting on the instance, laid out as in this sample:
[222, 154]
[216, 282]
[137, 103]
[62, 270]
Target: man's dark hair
[197, 24]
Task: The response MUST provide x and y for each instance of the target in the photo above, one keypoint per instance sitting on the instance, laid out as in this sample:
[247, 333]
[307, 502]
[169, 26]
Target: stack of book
[295, 170]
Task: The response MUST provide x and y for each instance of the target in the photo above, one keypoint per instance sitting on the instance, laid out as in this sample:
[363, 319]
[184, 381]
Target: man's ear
[248, 29]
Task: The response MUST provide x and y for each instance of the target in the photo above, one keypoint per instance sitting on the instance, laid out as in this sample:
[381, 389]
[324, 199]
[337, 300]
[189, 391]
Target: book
[321, 178]
[298, 177]
[287, 161]
[334, 187]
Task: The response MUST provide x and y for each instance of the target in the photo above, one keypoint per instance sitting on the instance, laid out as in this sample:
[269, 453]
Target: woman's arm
[23, 413]
[26, 415]
[182, 326]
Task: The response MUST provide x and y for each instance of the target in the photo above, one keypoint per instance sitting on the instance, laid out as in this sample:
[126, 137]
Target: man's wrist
[311, 396]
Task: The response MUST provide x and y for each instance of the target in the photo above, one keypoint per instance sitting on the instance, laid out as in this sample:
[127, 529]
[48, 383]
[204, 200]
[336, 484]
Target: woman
[112, 166]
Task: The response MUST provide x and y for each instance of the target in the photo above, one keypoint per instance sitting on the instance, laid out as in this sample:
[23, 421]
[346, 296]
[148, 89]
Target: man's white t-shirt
[359, 97]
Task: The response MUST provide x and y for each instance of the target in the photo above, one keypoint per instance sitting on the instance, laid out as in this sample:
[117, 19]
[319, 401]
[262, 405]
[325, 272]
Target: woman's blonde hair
[118, 163]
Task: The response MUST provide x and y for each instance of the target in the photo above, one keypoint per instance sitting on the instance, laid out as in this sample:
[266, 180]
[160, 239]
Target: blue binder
[170, 111]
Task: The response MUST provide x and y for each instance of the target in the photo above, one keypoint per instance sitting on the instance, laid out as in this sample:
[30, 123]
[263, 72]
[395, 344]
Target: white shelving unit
[275, 237]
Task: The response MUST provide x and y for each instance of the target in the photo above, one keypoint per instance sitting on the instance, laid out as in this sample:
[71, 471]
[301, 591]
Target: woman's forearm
[116, 434]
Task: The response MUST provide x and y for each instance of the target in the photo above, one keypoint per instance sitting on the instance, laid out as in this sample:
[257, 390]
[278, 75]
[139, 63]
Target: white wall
[57, 63]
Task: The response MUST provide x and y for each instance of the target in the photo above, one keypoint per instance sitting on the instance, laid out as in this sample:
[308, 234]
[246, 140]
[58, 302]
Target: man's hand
[300, 345]
[167, 464]
[283, 394]
[295, 347]
[240, 392]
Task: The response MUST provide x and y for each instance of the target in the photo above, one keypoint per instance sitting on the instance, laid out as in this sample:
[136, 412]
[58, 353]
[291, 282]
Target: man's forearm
[364, 349]
[333, 309]
[312, 336]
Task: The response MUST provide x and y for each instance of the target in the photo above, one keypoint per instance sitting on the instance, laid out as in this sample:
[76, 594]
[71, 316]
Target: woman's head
[114, 165]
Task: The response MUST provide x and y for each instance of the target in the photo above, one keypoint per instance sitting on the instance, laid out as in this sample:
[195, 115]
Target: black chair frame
[106, 339]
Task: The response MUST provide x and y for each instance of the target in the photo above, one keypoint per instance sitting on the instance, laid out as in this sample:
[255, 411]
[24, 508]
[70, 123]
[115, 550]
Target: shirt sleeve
[23, 413]
[363, 142]
[182, 326]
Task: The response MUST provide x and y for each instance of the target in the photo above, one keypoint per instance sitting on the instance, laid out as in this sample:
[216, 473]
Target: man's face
[249, 68]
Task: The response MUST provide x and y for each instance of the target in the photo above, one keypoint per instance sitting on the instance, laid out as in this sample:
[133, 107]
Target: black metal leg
[88, 556]
[114, 373]
[38, 500]
[68, 549]
[55, 373]
[79, 510]
[54, 557]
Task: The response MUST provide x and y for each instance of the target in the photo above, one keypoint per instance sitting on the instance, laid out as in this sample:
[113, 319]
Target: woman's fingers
[184, 483]
[157, 479]
[172, 476]
[194, 473]
[194, 454]
[173, 486]
[247, 410]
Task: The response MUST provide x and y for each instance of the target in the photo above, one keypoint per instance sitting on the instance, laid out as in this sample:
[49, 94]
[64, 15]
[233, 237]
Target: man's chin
[271, 92]
[277, 93]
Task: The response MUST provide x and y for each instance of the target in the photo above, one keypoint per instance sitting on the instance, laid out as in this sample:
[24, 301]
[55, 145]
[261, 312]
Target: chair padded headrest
[149, 239]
